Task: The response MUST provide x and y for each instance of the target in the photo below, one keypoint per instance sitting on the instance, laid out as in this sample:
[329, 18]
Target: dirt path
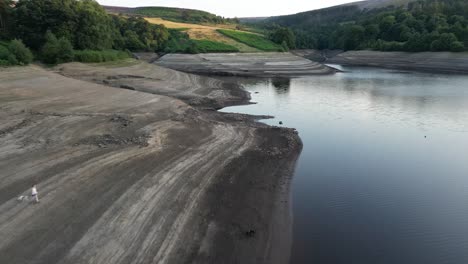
[135, 177]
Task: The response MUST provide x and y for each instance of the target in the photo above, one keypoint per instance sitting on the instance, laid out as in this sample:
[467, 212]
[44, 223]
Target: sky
[235, 8]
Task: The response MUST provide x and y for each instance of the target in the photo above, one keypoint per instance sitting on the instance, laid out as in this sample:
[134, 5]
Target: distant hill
[170, 13]
[372, 4]
[387, 25]
[334, 14]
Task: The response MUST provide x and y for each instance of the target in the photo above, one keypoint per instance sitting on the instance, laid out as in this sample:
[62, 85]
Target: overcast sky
[235, 8]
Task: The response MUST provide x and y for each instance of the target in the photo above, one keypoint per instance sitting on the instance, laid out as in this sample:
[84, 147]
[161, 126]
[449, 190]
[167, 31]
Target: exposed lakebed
[383, 176]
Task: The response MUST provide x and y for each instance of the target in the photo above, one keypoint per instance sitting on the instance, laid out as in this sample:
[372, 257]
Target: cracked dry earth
[132, 177]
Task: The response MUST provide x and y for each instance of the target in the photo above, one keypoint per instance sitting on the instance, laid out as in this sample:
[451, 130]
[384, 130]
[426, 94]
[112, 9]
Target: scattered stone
[280, 122]
[103, 141]
[250, 233]
[12, 129]
[122, 120]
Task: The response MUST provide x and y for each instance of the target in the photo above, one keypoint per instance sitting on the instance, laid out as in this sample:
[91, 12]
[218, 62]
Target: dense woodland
[174, 14]
[425, 25]
[64, 30]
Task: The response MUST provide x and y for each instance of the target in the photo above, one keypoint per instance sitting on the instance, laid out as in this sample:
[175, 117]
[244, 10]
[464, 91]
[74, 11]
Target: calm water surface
[383, 177]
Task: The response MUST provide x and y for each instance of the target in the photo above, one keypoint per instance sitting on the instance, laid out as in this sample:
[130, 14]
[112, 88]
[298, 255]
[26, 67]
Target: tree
[457, 46]
[132, 41]
[444, 42]
[283, 34]
[22, 54]
[353, 36]
[56, 50]
[5, 11]
[84, 23]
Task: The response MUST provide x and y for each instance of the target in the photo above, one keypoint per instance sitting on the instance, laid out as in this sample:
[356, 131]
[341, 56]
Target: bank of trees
[55, 29]
[425, 25]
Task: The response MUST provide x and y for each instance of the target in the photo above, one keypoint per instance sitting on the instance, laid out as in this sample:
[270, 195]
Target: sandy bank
[269, 64]
[443, 62]
[135, 176]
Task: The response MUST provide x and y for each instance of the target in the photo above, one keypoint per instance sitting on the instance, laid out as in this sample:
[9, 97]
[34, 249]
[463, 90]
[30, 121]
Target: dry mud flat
[135, 177]
[445, 62]
[244, 64]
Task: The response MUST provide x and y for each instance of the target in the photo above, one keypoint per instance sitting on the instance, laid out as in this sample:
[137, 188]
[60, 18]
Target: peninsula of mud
[436, 62]
[133, 165]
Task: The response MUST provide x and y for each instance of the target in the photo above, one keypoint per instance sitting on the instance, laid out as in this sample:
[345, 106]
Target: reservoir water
[383, 176]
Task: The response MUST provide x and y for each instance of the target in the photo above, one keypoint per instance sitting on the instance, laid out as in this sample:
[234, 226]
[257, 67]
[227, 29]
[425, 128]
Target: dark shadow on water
[282, 85]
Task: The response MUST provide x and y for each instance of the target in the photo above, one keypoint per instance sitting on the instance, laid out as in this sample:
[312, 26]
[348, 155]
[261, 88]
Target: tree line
[424, 25]
[55, 29]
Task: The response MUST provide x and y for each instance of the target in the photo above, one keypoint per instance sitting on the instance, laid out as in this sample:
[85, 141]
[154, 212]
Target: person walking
[34, 193]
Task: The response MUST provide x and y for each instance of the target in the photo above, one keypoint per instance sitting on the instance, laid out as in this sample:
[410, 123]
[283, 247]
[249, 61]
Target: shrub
[65, 49]
[22, 54]
[56, 50]
[457, 46]
[94, 56]
[4, 53]
[88, 56]
[213, 46]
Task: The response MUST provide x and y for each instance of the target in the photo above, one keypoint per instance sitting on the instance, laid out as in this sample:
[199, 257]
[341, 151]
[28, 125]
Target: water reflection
[281, 85]
[383, 174]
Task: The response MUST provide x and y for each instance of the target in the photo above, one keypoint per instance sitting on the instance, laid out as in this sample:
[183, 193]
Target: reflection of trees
[281, 85]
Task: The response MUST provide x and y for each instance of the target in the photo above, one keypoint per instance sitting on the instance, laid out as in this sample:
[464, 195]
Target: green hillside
[172, 14]
[252, 40]
[388, 25]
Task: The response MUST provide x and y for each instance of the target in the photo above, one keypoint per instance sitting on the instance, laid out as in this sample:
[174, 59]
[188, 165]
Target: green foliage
[207, 46]
[457, 46]
[421, 25]
[283, 36]
[86, 25]
[94, 56]
[253, 40]
[20, 54]
[56, 50]
[5, 18]
[181, 15]
[4, 55]
[137, 34]
[179, 42]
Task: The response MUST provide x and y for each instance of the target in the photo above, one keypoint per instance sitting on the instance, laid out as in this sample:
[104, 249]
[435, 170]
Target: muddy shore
[261, 65]
[437, 62]
[134, 165]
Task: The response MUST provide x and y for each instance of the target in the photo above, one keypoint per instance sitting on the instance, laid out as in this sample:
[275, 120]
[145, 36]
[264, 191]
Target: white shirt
[34, 191]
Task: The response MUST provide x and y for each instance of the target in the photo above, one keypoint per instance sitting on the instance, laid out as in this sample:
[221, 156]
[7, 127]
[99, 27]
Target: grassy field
[251, 39]
[204, 32]
[207, 46]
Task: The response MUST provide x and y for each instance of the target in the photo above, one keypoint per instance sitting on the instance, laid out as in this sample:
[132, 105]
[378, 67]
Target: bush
[457, 46]
[22, 54]
[213, 46]
[4, 53]
[65, 49]
[56, 50]
[94, 56]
